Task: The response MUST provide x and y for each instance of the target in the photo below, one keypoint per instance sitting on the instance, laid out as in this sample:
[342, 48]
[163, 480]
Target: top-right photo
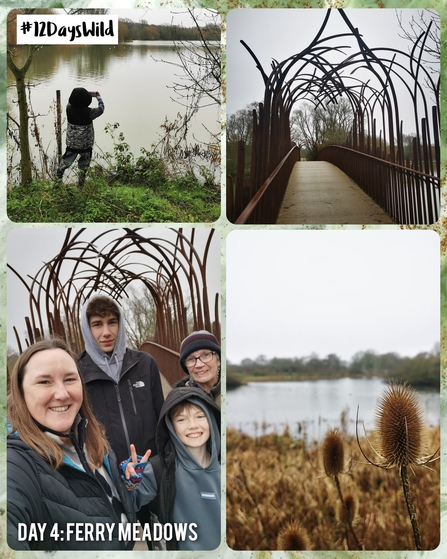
[333, 116]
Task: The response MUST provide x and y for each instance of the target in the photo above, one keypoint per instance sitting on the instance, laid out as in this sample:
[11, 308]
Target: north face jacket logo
[138, 384]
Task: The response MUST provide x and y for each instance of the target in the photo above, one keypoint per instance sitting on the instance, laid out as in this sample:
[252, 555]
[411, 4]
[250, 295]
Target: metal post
[59, 123]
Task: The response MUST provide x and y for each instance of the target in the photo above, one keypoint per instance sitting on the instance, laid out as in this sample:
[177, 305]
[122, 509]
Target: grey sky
[278, 34]
[29, 248]
[291, 293]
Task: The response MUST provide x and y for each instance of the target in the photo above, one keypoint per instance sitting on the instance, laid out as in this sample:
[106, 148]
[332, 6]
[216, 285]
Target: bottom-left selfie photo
[113, 389]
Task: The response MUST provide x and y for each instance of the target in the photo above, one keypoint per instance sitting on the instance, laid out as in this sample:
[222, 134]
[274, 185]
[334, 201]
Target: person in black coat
[123, 385]
[80, 131]
[63, 484]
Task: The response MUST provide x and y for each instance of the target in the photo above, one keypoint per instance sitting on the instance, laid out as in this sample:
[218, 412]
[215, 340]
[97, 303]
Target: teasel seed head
[400, 426]
[333, 453]
[293, 537]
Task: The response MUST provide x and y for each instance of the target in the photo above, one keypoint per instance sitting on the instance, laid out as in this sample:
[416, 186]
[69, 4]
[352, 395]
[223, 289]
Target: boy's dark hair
[102, 306]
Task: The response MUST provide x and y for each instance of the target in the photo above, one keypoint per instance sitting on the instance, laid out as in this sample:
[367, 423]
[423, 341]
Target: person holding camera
[80, 131]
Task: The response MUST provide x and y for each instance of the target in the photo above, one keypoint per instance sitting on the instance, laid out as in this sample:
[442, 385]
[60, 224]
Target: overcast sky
[280, 33]
[290, 293]
[29, 248]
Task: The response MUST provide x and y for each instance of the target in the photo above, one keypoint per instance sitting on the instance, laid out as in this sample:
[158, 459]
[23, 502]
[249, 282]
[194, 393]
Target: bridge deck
[318, 192]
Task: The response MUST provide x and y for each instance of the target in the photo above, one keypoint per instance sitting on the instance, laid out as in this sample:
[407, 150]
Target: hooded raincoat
[124, 390]
[189, 495]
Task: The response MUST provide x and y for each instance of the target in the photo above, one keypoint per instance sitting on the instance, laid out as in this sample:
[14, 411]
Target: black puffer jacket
[37, 493]
[130, 409]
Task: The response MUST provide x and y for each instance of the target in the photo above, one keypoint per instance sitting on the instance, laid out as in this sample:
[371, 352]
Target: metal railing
[265, 205]
[375, 148]
[168, 361]
[407, 195]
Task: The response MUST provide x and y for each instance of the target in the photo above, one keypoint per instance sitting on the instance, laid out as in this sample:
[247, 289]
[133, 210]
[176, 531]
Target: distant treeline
[421, 371]
[129, 30]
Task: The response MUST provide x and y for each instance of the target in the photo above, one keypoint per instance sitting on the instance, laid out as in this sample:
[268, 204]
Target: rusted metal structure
[407, 188]
[168, 263]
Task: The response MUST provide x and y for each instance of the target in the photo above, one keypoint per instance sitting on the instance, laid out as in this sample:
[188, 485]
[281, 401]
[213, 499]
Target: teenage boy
[185, 476]
[123, 384]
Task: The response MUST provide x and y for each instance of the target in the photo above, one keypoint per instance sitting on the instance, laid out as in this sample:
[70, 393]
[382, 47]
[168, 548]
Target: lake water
[309, 408]
[133, 81]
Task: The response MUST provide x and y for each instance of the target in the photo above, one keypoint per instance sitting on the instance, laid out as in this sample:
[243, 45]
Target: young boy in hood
[80, 132]
[185, 476]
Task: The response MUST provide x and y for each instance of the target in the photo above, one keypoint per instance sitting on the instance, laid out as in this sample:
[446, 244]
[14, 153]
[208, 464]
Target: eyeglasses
[191, 362]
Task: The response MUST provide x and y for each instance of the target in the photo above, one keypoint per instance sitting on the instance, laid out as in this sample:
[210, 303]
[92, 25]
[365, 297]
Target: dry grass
[274, 482]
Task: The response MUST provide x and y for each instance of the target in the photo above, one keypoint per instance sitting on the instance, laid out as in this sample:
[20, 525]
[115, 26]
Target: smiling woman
[61, 472]
[52, 389]
[200, 359]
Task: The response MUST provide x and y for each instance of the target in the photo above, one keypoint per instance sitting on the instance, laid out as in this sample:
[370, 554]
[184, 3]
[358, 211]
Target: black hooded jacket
[37, 493]
[80, 132]
[128, 410]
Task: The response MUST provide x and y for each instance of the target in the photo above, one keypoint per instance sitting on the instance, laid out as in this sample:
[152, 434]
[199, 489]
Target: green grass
[179, 200]
[130, 189]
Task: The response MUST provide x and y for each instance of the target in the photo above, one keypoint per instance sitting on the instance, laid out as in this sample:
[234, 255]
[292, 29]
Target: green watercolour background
[224, 227]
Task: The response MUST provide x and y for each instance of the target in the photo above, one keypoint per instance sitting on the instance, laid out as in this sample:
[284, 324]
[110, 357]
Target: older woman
[63, 485]
[200, 359]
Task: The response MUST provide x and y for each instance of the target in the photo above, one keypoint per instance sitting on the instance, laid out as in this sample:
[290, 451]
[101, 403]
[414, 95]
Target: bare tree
[240, 128]
[19, 71]
[240, 124]
[199, 62]
[140, 316]
[427, 21]
[315, 126]
[200, 82]
[423, 32]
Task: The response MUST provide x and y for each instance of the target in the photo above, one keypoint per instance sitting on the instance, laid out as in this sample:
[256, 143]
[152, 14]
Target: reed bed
[279, 496]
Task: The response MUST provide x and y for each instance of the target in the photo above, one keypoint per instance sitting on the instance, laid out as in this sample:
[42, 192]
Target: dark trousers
[69, 158]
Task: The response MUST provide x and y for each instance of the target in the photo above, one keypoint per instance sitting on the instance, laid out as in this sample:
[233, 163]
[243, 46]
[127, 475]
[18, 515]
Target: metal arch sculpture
[412, 184]
[170, 266]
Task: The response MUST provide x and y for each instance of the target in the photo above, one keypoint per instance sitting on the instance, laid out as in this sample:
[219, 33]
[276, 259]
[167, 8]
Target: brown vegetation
[275, 483]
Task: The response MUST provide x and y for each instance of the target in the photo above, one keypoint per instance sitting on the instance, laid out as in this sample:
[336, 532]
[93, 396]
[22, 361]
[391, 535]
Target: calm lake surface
[309, 408]
[133, 81]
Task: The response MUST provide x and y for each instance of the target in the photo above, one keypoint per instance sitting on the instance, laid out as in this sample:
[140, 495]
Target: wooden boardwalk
[318, 192]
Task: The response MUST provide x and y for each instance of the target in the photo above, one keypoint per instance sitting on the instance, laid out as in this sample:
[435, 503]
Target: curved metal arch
[319, 80]
[172, 267]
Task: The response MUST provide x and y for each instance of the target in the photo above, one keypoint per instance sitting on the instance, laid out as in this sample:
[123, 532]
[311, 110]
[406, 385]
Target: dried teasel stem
[333, 461]
[410, 507]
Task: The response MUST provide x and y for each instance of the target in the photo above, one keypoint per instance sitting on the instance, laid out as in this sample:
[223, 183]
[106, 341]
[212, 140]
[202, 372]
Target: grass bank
[128, 189]
[182, 200]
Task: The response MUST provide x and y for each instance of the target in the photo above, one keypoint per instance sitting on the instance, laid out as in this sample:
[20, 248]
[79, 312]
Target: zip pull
[117, 393]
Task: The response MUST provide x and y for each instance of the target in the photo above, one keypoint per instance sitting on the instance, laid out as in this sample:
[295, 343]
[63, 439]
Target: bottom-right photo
[333, 390]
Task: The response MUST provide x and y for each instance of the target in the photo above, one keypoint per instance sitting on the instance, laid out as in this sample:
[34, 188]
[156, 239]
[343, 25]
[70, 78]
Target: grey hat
[202, 339]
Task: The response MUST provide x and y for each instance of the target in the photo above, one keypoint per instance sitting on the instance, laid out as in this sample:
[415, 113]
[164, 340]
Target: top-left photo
[113, 115]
